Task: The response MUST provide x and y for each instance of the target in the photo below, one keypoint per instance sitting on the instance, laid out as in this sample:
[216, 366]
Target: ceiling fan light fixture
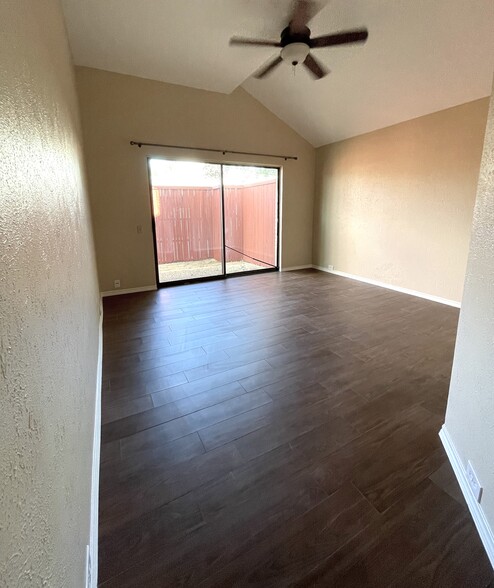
[295, 53]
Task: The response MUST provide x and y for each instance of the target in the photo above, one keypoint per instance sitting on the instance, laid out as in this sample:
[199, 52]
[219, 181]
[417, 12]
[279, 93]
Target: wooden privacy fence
[188, 222]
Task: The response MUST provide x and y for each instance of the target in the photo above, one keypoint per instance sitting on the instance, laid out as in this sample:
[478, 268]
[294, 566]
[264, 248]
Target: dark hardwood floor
[280, 430]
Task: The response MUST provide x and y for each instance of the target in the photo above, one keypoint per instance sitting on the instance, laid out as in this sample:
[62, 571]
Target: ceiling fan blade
[303, 11]
[315, 67]
[355, 36]
[260, 42]
[263, 72]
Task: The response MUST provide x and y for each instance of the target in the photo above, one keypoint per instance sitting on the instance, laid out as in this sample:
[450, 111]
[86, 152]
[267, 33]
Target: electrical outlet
[474, 482]
[116, 284]
[330, 268]
[88, 568]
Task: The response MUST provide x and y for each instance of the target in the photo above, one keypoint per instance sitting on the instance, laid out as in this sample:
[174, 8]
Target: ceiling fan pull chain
[294, 69]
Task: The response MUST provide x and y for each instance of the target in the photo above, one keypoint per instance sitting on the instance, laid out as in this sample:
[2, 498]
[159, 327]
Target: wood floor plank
[236, 427]
[110, 451]
[382, 555]
[127, 391]
[177, 393]
[235, 347]
[139, 378]
[287, 558]
[290, 423]
[161, 485]
[216, 366]
[126, 407]
[156, 458]
[150, 433]
[208, 549]
[136, 363]
[217, 397]
[213, 381]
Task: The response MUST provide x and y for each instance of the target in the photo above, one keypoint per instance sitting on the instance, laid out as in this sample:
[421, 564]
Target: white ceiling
[177, 41]
[422, 55]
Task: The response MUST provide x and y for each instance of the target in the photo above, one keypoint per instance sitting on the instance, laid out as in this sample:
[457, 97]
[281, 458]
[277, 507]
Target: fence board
[188, 222]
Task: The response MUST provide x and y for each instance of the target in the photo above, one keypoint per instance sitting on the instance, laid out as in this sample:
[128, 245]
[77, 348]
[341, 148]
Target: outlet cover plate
[474, 482]
[116, 284]
[330, 268]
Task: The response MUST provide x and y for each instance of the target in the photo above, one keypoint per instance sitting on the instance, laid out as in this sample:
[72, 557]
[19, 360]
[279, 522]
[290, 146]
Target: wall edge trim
[485, 532]
[409, 291]
[94, 522]
[127, 291]
[293, 268]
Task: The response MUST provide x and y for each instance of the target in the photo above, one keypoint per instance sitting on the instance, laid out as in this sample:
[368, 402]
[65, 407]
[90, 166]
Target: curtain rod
[223, 151]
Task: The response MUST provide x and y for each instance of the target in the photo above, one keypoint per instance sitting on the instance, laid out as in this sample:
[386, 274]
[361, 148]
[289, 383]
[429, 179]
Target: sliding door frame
[224, 275]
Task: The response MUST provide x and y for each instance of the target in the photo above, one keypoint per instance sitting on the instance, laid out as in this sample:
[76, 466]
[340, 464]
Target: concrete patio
[190, 270]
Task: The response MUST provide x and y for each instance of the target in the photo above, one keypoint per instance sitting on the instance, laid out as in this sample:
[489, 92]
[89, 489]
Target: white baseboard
[296, 267]
[128, 291]
[454, 303]
[93, 529]
[478, 516]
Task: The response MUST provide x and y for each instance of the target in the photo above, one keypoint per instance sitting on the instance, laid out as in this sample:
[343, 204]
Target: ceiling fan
[296, 43]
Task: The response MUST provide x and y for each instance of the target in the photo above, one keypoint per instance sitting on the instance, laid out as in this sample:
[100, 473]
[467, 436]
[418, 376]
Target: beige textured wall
[470, 412]
[49, 307]
[117, 108]
[396, 205]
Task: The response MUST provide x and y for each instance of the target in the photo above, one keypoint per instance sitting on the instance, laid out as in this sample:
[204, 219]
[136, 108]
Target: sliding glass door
[212, 220]
[251, 217]
[187, 211]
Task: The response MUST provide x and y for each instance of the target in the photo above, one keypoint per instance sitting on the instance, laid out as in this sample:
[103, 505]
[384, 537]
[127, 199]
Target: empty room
[246, 293]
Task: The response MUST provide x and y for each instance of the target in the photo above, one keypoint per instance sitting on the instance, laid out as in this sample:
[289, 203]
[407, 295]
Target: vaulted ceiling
[421, 56]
